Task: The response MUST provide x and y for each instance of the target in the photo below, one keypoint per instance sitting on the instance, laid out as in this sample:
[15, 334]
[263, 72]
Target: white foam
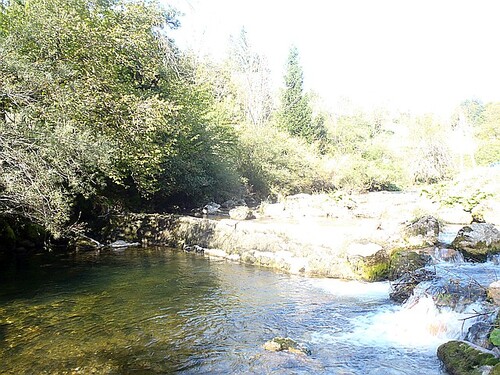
[347, 288]
[418, 323]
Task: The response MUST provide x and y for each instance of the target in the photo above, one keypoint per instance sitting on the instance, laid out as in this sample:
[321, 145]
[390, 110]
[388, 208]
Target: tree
[251, 75]
[295, 113]
[95, 99]
[488, 135]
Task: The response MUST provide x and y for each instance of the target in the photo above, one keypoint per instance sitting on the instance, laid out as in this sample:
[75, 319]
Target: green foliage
[273, 163]
[295, 113]
[457, 193]
[93, 95]
[495, 336]
[488, 135]
[363, 159]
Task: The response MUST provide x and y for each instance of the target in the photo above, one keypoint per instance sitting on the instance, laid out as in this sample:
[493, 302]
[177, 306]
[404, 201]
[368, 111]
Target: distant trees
[252, 78]
[488, 135]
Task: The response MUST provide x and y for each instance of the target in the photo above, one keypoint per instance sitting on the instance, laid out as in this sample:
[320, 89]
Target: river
[160, 311]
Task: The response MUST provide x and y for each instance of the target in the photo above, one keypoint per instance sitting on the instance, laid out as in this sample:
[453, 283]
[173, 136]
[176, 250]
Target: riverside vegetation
[101, 113]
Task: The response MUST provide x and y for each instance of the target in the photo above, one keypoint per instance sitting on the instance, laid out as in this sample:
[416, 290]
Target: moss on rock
[460, 358]
[374, 267]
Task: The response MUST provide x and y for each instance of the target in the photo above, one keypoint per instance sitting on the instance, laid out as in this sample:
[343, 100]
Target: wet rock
[211, 208]
[121, 244]
[279, 344]
[422, 232]
[241, 213]
[477, 241]
[462, 358]
[455, 293]
[402, 289]
[193, 249]
[494, 292]
[448, 255]
[406, 262]
[84, 243]
[479, 333]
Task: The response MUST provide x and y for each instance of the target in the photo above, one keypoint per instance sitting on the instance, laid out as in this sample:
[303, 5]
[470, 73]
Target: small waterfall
[418, 323]
[439, 310]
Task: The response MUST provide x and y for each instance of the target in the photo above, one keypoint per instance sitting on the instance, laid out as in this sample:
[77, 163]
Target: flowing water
[158, 311]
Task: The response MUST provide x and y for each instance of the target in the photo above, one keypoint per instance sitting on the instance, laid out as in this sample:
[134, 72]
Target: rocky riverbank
[349, 237]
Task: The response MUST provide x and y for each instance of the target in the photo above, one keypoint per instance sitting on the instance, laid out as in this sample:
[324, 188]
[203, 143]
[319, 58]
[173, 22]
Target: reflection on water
[153, 311]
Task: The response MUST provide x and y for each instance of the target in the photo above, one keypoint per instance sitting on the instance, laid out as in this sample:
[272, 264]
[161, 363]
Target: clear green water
[157, 311]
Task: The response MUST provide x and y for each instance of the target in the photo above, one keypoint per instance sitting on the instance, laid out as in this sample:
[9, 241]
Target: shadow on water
[123, 312]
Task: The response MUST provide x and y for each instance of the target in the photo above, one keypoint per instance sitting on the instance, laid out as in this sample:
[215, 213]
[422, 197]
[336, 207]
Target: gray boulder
[422, 232]
[477, 240]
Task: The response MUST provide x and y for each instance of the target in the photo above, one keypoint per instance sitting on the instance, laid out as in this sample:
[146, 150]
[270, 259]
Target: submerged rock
[477, 241]
[462, 358]
[479, 334]
[279, 344]
[120, 244]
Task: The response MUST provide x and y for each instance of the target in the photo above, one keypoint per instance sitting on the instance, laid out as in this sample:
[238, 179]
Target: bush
[274, 163]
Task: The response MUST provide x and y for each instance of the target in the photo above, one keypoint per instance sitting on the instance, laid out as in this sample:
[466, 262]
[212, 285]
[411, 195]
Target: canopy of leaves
[94, 94]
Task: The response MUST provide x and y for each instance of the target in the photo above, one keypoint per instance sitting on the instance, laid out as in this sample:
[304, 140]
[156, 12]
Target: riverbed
[160, 311]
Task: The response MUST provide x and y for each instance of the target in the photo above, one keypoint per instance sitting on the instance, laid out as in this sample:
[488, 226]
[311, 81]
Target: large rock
[406, 262]
[308, 206]
[462, 358]
[369, 261]
[422, 232]
[477, 240]
[84, 243]
[241, 213]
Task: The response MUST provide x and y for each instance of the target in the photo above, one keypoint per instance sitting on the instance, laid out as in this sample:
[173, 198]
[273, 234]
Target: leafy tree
[95, 98]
